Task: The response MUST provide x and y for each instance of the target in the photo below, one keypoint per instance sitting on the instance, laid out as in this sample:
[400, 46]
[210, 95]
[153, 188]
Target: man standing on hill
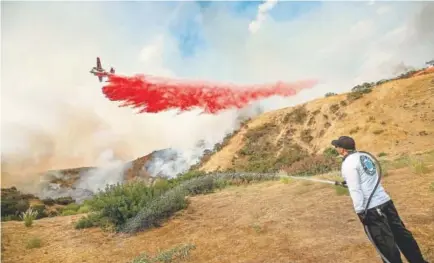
[382, 220]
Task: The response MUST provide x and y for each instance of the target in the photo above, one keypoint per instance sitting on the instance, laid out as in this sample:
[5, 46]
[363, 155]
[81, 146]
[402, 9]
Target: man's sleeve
[353, 182]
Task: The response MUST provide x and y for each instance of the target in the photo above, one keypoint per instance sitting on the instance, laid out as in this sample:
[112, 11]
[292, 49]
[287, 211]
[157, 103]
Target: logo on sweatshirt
[368, 165]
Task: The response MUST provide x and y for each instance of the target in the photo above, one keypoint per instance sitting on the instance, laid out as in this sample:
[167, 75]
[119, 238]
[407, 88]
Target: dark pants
[390, 235]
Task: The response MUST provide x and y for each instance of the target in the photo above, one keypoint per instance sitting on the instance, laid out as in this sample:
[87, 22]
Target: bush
[72, 207]
[334, 108]
[90, 220]
[10, 218]
[418, 166]
[34, 242]
[155, 211]
[341, 190]
[69, 212]
[354, 96]
[313, 165]
[120, 202]
[354, 130]
[83, 209]
[364, 88]
[176, 253]
[13, 202]
[382, 154]
[28, 217]
[376, 132]
[180, 178]
[64, 200]
[298, 115]
[329, 94]
[330, 152]
[306, 136]
[40, 211]
[48, 201]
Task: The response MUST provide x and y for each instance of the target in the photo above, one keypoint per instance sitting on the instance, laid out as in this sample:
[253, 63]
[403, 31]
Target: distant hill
[390, 117]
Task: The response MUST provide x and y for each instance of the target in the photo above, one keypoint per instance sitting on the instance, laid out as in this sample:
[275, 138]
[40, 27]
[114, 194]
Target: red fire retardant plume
[152, 94]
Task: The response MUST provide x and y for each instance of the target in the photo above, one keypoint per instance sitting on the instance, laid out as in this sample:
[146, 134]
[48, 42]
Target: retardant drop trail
[153, 95]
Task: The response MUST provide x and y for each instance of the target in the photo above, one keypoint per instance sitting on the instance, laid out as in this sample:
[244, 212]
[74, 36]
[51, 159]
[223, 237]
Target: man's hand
[343, 184]
[364, 220]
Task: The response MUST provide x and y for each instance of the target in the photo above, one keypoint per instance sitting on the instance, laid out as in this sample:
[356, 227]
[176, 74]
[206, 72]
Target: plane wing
[98, 63]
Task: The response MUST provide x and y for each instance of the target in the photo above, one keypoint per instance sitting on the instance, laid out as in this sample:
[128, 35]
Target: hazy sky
[52, 107]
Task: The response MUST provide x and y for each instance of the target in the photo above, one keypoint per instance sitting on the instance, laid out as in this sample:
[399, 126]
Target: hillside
[265, 222]
[396, 117]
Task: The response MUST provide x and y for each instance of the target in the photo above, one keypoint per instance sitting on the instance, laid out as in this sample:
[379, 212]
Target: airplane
[99, 71]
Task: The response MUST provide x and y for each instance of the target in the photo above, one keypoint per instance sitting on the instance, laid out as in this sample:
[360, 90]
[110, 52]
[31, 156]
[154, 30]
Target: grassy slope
[372, 120]
[266, 222]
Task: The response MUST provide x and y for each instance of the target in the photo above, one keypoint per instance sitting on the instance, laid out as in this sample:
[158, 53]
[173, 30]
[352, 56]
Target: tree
[328, 94]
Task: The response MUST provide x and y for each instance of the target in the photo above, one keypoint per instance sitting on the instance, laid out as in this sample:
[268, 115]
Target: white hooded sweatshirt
[359, 171]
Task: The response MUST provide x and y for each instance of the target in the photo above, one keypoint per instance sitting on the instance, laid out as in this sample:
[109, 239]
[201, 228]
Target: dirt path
[267, 222]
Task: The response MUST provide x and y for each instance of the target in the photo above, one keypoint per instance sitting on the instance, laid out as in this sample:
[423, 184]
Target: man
[382, 220]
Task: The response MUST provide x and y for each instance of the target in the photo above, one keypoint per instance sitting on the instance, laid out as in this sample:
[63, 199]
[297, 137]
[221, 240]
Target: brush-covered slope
[297, 221]
[394, 117]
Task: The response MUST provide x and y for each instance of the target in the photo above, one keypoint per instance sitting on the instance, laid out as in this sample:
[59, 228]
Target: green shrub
[118, 203]
[40, 211]
[298, 115]
[354, 130]
[418, 166]
[382, 154]
[29, 216]
[364, 88]
[329, 94]
[341, 190]
[334, 108]
[66, 212]
[13, 202]
[72, 207]
[48, 201]
[91, 220]
[10, 218]
[180, 178]
[286, 179]
[53, 213]
[313, 165]
[157, 210]
[306, 136]
[34, 242]
[330, 152]
[64, 200]
[352, 96]
[171, 255]
[376, 132]
[83, 209]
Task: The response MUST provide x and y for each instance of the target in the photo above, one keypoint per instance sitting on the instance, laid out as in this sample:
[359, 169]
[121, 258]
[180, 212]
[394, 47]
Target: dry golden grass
[266, 222]
[401, 109]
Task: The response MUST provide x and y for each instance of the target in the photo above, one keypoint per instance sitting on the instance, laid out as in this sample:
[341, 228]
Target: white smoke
[110, 171]
[263, 10]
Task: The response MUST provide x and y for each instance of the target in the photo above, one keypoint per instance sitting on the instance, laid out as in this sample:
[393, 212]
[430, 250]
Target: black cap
[345, 142]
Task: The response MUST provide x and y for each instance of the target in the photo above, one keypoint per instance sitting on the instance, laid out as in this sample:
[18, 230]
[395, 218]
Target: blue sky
[188, 31]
